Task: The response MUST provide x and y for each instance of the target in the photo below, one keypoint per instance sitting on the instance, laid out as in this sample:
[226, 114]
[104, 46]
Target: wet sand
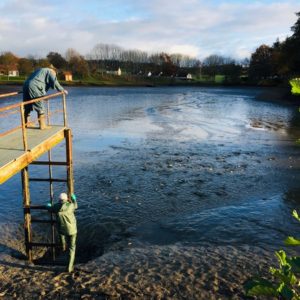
[154, 272]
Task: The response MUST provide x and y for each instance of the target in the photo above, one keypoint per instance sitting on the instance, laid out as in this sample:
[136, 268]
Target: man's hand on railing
[65, 92]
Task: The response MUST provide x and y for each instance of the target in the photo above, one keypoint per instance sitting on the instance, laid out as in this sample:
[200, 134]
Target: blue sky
[194, 27]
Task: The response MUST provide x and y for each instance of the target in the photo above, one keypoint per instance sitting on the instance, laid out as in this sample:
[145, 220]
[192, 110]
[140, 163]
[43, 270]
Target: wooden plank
[44, 244]
[42, 207]
[51, 163]
[42, 221]
[13, 159]
[48, 179]
[11, 146]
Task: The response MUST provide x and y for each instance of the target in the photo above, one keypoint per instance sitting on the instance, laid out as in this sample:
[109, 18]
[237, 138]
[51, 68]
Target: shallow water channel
[175, 166]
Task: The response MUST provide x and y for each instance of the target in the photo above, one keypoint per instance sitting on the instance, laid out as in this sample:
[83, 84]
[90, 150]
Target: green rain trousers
[66, 227]
[70, 241]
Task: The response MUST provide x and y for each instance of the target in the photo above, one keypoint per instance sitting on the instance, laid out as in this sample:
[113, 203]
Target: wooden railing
[19, 108]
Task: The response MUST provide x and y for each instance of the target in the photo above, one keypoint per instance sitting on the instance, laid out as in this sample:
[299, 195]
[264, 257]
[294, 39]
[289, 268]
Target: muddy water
[191, 167]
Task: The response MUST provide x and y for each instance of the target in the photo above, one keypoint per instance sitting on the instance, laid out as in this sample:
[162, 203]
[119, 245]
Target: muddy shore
[188, 273]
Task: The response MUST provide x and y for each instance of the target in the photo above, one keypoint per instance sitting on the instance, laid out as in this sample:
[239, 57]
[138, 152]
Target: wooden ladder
[28, 220]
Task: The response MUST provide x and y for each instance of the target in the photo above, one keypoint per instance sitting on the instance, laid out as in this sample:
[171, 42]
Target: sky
[197, 28]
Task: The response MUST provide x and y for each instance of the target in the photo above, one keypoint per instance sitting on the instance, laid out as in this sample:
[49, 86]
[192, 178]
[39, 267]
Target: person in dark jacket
[36, 86]
[66, 224]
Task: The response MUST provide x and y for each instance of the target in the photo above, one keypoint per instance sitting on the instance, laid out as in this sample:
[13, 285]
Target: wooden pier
[24, 145]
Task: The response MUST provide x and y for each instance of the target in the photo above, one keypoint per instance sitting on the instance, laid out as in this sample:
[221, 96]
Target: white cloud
[193, 27]
[185, 49]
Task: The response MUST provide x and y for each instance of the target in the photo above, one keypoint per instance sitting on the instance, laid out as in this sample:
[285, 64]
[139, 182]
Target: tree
[168, 67]
[212, 63]
[42, 63]
[296, 27]
[261, 66]
[76, 63]
[291, 49]
[8, 60]
[79, 66]
[70, 53]
[56, 60]
[25, 66]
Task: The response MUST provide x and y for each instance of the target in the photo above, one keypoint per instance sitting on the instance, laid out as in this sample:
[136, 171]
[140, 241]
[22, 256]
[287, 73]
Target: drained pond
[182, 192]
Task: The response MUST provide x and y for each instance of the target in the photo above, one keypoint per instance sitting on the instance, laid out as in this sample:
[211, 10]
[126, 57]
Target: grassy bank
[126, 80]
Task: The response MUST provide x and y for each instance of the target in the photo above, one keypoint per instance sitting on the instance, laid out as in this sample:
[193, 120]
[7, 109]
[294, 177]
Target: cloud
[194, 27]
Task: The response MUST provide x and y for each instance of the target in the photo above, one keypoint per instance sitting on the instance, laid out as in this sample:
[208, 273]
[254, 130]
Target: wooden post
[24, 132]
[64, 109]
[69, 158]
[48, 112]
[27, 216]
[51, 194]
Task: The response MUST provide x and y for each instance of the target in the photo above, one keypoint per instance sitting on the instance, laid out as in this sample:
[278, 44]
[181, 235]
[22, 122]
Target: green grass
[126, 80]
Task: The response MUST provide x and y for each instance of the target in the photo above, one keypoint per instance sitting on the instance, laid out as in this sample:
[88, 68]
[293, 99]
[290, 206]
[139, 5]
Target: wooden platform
[12, 156]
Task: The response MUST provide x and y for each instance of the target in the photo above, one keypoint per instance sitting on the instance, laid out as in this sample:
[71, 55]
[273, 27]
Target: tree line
[278, 62]
[275, 64]
[106, 57]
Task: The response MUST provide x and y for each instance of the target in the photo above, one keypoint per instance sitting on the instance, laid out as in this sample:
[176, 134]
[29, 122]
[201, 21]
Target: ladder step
[43, 244]
[42, 221]
[52, 163]
[28, 208]
[48, 179]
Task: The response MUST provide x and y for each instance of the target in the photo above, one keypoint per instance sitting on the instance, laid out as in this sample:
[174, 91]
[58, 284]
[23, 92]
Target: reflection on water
[207, 166]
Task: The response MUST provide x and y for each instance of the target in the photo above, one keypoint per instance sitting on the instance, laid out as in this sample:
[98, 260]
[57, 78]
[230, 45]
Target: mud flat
[153, 272]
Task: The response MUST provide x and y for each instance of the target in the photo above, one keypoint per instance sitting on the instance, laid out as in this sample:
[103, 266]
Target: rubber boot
[42, 122]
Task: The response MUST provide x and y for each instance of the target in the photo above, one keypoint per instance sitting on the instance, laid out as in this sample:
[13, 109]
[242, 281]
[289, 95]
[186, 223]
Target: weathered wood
[22, 146]
[12, 156]
[65, 109]
[46, 163]
[10, 131]
[69, 157]
[43, 221]
[13, 106]
[51, 195]
[48, 180]
[41, 207]
[43, 245]
[23, 125]
[27, 216]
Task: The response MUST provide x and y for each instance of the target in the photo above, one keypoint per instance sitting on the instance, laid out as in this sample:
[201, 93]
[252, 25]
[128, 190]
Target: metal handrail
[29, 101]
[20, 107]
[10, 94]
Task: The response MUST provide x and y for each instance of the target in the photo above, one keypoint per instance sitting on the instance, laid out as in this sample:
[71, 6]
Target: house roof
[13, 67]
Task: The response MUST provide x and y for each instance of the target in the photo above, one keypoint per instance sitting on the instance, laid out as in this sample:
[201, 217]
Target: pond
[184, 167]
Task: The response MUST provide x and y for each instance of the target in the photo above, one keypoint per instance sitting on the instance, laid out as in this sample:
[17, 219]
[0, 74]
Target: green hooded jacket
[66, 221]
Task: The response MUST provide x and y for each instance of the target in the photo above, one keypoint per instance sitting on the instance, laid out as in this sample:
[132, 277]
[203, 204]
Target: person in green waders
[66, 224]
[36, 86]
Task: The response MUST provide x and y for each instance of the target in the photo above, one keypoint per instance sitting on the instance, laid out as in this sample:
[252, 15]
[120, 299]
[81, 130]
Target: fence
[19, 108]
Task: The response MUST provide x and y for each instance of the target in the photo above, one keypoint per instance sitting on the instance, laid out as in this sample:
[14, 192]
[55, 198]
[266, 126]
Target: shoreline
[267, 93]
[149, 272]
